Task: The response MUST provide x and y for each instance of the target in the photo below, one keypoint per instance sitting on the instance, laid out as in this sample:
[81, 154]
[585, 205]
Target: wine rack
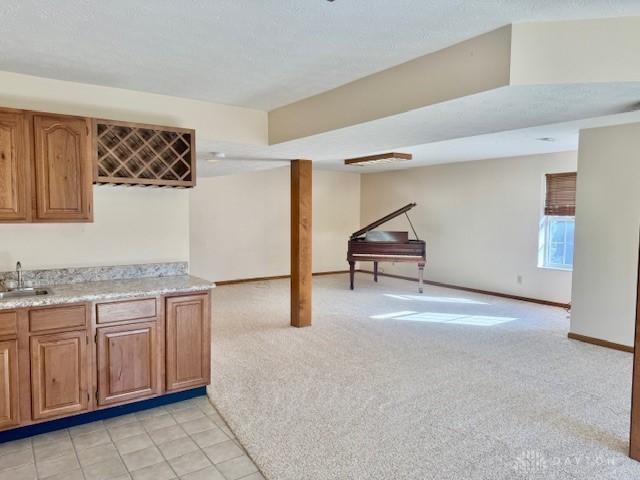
[146, 155]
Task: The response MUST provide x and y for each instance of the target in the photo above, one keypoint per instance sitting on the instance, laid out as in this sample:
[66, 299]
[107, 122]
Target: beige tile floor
[187, 440]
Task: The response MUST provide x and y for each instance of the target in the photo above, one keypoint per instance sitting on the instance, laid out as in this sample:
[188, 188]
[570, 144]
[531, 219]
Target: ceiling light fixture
[213, 157]
[378, 159]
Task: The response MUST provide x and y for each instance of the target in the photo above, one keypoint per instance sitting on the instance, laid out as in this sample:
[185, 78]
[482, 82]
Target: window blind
[561, 194]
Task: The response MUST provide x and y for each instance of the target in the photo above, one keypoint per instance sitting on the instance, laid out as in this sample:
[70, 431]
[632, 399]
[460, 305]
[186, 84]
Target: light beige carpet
[390, 384]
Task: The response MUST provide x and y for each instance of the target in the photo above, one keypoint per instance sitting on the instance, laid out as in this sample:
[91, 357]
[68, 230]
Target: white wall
[607, 226]
[132, 225]
[240, 223]
[480, 221]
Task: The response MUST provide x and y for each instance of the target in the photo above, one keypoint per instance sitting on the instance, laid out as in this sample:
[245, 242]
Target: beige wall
[480, 221]
[534, 53]
[475, 65]
[240, 223]
[132, 225]
[566, 52]
[212, 121]
[336, 215]
[607, 225]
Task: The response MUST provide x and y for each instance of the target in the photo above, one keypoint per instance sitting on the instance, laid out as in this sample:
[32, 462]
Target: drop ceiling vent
[379, 159]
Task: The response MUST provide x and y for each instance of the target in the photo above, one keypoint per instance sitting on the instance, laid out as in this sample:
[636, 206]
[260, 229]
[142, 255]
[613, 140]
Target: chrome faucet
[19, 273]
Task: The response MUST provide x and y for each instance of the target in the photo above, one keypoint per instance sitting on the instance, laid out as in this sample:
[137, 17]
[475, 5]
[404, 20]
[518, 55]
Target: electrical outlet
[519, 279]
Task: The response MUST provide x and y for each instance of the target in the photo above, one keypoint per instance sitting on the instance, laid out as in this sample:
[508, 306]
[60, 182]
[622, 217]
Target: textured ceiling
[256, 53]
[216, 168]
[500, 110]
[559, 137]
[510, 143]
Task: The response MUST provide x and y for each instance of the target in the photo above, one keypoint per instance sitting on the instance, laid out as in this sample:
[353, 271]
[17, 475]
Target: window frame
[545, 243]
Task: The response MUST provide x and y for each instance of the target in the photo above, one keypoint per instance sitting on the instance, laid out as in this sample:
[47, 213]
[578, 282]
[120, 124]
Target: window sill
[561, 269]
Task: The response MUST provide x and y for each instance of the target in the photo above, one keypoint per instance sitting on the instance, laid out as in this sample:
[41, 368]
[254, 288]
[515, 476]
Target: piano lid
[380, 236]
[382, 220]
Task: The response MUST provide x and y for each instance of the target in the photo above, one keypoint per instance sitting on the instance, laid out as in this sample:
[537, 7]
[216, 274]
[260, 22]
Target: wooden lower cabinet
[51, 368]
[127, 362]
[9, 407]
[59, 374]
[187, 341]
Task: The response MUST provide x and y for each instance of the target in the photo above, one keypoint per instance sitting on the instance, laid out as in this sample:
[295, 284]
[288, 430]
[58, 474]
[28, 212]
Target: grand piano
[369, 245]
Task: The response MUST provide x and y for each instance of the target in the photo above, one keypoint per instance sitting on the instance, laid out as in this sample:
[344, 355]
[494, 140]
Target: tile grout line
[234, 440]
[158, 445]
[146, 432]
[190, 438]
[33, 455]
[117, 451]
[237, 441]
[75, 452]
[35, 462]
[197, 445]
[208, 411]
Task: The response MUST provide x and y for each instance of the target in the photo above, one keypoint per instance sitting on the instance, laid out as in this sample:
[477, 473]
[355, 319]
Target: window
[557, 227]
[558, 242]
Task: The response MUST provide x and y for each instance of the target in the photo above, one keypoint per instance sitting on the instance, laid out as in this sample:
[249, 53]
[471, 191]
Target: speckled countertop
[111, 290]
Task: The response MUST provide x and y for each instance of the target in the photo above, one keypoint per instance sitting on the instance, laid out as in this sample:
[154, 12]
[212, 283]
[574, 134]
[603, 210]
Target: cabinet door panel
[9, 384]
[59, 374]
[8, 323]
[188, 342]
[127, 362]
[14, 168]
[63, 168]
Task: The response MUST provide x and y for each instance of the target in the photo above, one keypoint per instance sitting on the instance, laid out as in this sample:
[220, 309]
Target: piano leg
[352, 270]
[420, 276]
[375, 271]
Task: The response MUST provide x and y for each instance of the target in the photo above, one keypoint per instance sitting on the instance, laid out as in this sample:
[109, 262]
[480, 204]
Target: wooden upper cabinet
[63, 168]
[59, 374]
[9, 384]
[127, 362]
[14, 167]
[188, 341]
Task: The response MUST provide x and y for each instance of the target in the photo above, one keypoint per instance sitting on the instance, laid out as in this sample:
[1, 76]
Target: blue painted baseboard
[38, 428]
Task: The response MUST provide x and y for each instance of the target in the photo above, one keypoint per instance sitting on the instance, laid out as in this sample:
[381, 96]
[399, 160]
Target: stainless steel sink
[24, 292]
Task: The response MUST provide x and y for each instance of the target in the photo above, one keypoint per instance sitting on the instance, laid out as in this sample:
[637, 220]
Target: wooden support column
[301, 243]
[634, 443]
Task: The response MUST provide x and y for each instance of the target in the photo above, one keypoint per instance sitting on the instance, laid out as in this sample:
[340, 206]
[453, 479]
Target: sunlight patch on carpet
[451, 318]
[426, 298]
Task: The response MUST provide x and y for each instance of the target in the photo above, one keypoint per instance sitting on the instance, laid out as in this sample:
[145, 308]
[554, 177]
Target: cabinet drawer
[126, 310]
[58, 318]
[8, 323]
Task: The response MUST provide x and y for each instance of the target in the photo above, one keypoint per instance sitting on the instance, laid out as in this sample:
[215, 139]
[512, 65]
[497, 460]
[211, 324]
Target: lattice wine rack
[137, 154]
